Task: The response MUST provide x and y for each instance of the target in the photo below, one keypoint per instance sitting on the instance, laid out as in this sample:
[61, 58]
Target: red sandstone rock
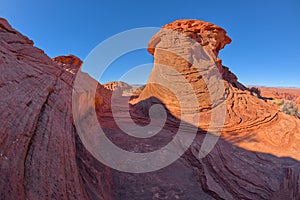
[247, 117]
[70, 62]
[117, 85]
[42, 157]
[291, 94]
[38, 144]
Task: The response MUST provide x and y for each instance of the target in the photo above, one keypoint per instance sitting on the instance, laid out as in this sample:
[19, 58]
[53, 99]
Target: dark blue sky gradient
[265, 33]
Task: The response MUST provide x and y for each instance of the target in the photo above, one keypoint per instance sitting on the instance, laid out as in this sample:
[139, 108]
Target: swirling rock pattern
[42, 157]
[250, 122]
[38, 148]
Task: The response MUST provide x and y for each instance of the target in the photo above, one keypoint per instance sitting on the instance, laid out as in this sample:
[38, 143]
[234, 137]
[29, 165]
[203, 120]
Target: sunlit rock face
[70, 62]
[186, 66]
[43, 157]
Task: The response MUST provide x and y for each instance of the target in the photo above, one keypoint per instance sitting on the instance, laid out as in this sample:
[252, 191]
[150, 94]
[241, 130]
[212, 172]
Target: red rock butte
[43, 157]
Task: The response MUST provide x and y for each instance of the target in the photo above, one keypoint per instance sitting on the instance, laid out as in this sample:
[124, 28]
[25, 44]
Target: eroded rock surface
[39, 156]
[42, 156]
[71, 63]
[190, 48]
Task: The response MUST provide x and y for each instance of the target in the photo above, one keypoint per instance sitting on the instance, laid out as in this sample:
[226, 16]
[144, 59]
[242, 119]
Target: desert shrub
[290, 108]
[279, 103]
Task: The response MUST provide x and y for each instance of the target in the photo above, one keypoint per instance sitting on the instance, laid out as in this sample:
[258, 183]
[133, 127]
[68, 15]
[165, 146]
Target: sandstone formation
[70, 62]
[39, 149]
[117, 85]
[250, 122]
[42, 155]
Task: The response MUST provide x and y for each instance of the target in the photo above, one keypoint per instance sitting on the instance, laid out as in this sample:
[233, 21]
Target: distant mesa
[291, 94]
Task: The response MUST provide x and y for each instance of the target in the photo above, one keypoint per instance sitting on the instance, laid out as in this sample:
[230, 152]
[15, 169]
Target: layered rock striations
[39, 156]
[190, 48]
[42, 155]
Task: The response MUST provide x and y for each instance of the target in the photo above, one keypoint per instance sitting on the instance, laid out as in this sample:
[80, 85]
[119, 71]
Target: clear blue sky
[265, 33]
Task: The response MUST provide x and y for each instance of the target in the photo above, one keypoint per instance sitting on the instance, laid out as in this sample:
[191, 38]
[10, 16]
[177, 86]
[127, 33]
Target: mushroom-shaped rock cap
[70, 60]
[187, 67]
[208, 34]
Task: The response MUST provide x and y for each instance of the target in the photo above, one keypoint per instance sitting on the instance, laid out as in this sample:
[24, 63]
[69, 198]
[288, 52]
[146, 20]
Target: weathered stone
[42, 156]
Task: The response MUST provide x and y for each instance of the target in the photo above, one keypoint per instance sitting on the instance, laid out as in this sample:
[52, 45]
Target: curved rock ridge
[101, 97]
[42, 156]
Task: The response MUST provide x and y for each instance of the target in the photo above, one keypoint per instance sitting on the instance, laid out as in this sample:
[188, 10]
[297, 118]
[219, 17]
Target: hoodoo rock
[186, 53]
[190, 49]
[43, 156]
[211, 37]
